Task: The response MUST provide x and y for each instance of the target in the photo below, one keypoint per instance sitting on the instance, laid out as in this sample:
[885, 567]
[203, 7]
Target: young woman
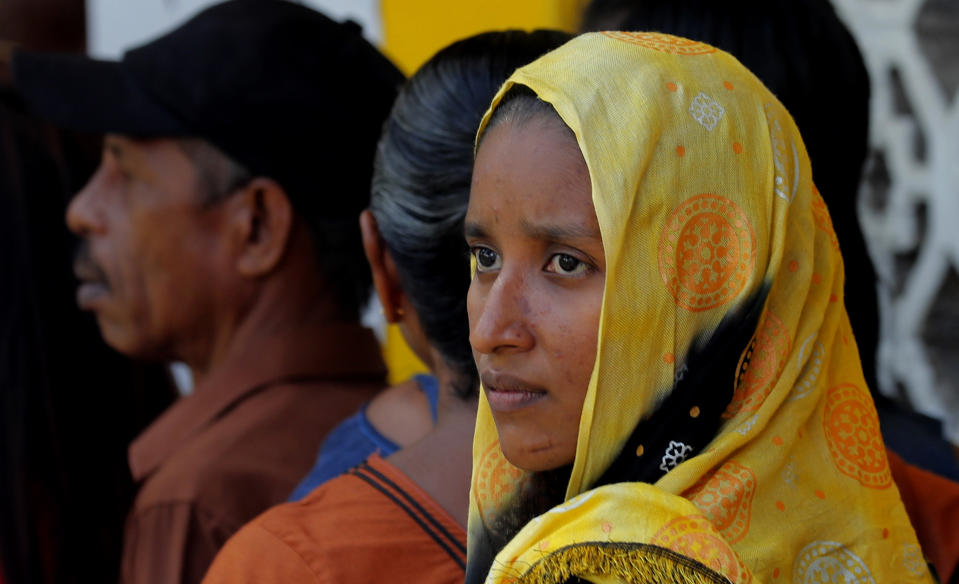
[671, 389]
[401, 518]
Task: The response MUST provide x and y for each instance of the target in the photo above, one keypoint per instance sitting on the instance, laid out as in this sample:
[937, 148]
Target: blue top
[917, 439]
[354, 440]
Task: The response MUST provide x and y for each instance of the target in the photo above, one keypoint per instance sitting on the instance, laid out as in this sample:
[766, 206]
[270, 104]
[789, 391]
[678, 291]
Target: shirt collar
[331, 351]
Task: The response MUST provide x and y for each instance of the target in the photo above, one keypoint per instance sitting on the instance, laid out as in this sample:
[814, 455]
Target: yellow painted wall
[413, 30]
[401, 362]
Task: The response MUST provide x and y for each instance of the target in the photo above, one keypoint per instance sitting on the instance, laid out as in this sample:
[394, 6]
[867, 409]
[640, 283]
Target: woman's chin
[533, 454]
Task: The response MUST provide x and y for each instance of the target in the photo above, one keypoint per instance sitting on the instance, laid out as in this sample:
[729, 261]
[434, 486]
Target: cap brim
[88, 95]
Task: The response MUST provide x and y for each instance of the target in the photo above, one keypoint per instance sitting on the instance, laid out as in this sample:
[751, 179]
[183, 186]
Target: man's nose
[84, 214]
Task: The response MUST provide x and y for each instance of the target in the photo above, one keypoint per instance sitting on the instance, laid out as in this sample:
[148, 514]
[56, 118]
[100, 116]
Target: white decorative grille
[909, 206]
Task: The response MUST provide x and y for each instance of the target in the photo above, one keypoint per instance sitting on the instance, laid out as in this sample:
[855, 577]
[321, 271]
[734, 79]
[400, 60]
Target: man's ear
[261, 221]
[386, 278]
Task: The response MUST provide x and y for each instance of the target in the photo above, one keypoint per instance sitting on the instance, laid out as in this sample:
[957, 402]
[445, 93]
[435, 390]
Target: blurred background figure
[69, 405]
[804, 54]
[220, 229]
[800, 50]
[908, 203]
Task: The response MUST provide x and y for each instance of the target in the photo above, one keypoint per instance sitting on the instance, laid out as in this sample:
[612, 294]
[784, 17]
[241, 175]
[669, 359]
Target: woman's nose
[500, 314]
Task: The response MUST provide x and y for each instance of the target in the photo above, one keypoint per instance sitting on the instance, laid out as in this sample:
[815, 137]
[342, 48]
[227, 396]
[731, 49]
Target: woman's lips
[506, 393]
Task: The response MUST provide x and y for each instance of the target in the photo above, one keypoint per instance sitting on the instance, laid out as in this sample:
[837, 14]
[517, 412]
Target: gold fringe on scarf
[629, 563]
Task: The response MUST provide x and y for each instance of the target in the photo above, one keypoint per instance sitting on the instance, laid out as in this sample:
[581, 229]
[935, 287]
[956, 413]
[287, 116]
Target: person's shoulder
[260, 555]
[233, 460]
[218, 487]
[294, 542]
[358, 504]
[365, 525]
[323, 538]
[180, 479]
[342, 504]
[328, 530]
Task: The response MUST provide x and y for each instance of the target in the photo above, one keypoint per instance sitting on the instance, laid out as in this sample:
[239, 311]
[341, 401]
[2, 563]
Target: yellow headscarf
[710, 220]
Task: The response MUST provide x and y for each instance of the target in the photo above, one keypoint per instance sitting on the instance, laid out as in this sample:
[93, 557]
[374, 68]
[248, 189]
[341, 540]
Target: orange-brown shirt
[932, 502]
[216, 459]
[372, 524]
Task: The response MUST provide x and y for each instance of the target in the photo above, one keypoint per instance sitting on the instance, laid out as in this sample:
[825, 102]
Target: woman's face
[535, 300]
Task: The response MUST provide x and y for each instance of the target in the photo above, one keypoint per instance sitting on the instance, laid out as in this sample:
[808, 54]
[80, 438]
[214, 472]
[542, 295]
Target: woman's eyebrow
[554, 232]
[473, 229]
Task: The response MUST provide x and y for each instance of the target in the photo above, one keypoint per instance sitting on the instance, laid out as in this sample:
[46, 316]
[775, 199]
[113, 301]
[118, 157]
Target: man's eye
[566, 265]
[486, 259]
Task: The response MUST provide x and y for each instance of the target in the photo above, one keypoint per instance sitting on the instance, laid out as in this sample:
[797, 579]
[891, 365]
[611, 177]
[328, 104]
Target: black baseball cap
[281, 88]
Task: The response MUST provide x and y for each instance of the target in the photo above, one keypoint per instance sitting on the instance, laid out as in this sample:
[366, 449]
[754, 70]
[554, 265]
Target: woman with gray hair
[403, 517]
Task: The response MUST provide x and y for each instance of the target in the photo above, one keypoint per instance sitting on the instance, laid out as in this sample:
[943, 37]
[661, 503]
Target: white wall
[116, 25]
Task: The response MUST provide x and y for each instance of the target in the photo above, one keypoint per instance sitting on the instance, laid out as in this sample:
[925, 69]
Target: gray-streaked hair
[219, 174]
[422, 175]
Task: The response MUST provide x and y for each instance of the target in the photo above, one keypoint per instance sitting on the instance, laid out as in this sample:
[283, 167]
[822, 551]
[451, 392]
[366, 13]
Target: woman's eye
[566, 265]
[486, 259]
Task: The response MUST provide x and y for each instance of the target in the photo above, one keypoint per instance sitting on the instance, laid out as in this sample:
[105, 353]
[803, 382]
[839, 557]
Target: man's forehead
[135, 148]
[128, 141]
[150, 159]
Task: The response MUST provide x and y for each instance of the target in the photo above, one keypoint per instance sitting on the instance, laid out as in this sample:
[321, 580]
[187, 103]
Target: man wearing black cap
[221, 230]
